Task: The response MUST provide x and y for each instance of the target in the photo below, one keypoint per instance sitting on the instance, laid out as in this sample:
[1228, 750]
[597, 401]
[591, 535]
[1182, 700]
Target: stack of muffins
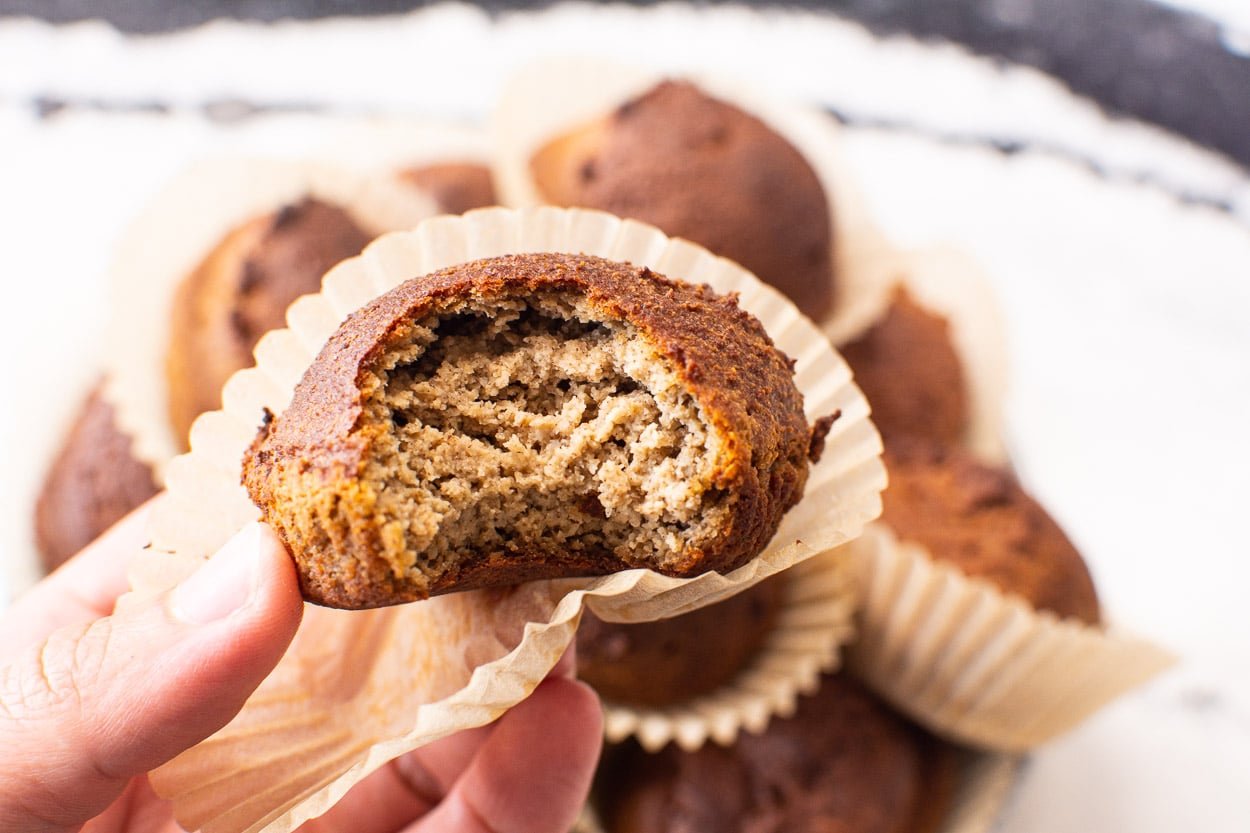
[857, 752]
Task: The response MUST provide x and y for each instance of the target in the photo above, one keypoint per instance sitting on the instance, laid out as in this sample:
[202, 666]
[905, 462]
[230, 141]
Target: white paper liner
[815, 619]
[206, 504]
[386, 145]
[174, 233]
[975, 665]
[552, 96]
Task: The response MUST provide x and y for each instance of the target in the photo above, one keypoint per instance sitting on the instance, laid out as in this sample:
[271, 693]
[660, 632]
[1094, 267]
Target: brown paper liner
[183, 223]
[975, 665]
[552, 96]
[815, 620]
[983, 788]
[304, 739]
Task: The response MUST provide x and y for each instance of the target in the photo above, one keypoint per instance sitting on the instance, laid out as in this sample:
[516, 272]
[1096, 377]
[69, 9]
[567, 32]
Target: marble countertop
[1120, 254]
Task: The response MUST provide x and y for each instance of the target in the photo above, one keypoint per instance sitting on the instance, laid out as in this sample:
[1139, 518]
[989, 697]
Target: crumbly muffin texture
[531, 416]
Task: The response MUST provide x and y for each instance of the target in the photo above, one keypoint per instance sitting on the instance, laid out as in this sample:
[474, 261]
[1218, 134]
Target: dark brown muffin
[908, 369]
[241, 291]
[980, 520]
[702, 169]
[843, 762]
[94, 481]
[457, 187]
[672, 660]
[526, 417]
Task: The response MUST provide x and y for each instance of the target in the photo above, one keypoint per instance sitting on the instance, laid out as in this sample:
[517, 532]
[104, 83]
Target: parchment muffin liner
[177, 229]
[550, 97]
[359, 688]
[973, 664]
[815, 620]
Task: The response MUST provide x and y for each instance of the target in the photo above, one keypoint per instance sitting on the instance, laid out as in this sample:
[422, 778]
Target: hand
[90, 702]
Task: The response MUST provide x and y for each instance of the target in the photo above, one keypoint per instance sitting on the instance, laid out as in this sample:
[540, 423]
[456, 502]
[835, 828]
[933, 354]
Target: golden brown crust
[908, 369]
[843, 762]
[721, 354]
[457, 187]
[94, 481]
[980, 520]
[704, 170]
[240, 291]
[672, 660]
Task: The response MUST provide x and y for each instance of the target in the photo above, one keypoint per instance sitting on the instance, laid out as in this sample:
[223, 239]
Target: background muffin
[241, 290]
[93, 482]
[457, 187]
[702, 169]
[979, 519]
[842, 762]
[911, 374]
[672, 660]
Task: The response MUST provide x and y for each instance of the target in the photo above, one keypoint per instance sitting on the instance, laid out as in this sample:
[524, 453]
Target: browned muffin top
[672, 660]
[699, 168]
[321, 462]
[843, 762]
[911, 374]
[980, 520]
[457, 187]
[241, 291]
[94, 481]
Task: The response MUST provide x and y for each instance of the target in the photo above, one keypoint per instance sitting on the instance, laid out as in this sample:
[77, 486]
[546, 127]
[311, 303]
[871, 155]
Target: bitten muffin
[909, 371]
[672, 660]
[842, 762]
[457, 187]
[980, 520]
[532, 416]
[94, 481]
[702, 169]
[241, 290]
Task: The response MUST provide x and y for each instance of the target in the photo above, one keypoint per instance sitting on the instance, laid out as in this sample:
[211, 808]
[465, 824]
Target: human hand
[90, 702]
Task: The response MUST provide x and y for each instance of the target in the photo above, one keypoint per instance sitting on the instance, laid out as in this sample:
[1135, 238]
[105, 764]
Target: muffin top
[457, 187]
[911, 374]
[980, 520]
[672, 660]
[842, 762]
[699, 168]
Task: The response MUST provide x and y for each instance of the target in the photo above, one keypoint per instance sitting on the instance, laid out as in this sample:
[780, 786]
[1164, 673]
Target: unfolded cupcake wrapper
[975, 665]
[815, 620]
[183, 224]
[359, 688]
[553, 96]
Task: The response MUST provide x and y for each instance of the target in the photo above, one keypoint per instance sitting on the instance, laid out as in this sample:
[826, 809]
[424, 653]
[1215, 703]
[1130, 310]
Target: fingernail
[224, 584]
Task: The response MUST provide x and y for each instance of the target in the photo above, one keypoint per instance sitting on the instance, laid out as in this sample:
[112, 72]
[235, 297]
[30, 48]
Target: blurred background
[1093, 155]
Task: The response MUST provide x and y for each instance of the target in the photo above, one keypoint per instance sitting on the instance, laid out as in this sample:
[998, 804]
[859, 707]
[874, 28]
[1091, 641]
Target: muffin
[980, 520]
[93, 482]
[673, 660]
[842, 762]
[532, 416]
[702, 169]
[457, 187]
[911, 375]
[241, 290]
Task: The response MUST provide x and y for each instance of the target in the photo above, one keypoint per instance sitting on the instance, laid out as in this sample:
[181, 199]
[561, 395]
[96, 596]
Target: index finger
[82, 589]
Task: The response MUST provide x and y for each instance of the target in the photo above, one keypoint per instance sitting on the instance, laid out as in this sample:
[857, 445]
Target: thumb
[94, 706]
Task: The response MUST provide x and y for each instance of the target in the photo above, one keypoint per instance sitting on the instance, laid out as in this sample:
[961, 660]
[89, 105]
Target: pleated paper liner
[178, 228]
[975, 665]
[307, 735]
[548, 98]
[815, 620]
